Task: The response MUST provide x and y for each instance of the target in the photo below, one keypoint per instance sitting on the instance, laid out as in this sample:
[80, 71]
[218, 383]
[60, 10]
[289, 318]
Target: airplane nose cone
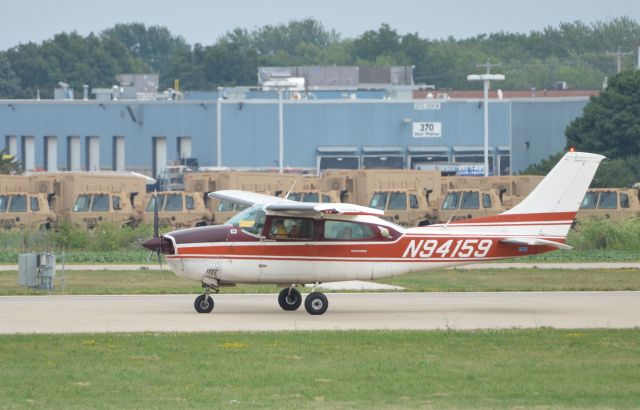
[153, 243]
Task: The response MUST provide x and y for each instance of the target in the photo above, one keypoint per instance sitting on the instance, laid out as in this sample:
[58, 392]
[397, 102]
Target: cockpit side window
[251, 220]
[291, 228]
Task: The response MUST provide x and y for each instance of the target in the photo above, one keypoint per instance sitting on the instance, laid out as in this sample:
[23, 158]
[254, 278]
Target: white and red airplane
[289, 243]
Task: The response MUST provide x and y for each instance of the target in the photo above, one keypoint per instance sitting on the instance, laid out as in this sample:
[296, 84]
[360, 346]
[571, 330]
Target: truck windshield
[152, 203]
[18, 203]
[379, 200]
[589, 201]
[470, 200]
[82, 203]
[311, 197]
[397, 201]
[100, 203]
[250, 220]
[451, 201]
[173, 202]
[608, 200]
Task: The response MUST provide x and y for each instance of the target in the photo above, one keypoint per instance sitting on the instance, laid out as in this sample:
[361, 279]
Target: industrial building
[319, 129]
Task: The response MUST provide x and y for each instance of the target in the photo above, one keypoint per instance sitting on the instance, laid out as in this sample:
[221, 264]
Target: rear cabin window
[624, 200]
[397, 201]
[18, 203]
[470, 200]
[173, 203]
[190, 205]
[608, 200]
[82, 203]
[378, 200]
[451, 201]
[486, 201]
[4, 201]
[35, 205]
[344, 230]
[100, 203]
[589, 201]
[413, 201]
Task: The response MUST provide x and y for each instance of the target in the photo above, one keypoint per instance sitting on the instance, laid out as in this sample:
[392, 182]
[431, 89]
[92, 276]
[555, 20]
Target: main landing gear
[290, 298]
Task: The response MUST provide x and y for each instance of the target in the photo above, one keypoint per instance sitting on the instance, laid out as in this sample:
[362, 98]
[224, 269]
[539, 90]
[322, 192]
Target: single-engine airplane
[289, 243]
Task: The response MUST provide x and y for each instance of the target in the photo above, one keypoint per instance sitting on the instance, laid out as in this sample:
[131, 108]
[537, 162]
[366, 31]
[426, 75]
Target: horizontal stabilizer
[535, 242]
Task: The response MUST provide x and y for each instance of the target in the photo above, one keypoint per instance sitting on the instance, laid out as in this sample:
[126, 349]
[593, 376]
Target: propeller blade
[156, 220]
[159, 258]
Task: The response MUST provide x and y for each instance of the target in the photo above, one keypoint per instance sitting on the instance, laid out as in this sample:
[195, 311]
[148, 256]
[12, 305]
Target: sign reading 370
[451, 248]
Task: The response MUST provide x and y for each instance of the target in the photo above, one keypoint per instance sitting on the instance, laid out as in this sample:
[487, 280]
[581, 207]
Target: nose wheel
[204, 303]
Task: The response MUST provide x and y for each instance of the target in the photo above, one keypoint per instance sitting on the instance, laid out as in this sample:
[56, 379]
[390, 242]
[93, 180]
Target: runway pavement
[135, 313]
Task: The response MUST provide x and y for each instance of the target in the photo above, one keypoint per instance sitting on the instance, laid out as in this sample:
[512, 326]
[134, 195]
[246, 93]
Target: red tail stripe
[541, 217]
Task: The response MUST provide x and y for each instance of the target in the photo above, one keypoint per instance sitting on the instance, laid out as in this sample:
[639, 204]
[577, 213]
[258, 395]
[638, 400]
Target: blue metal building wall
[250, 127]
[541, 123]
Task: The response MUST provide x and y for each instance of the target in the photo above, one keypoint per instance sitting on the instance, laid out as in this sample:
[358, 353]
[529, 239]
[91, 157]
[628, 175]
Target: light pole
[219, 128]
[486, 78]
[280, 131]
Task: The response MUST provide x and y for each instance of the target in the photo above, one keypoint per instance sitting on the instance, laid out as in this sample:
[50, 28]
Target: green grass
[442, 280]
[490, 280]
[443, 369]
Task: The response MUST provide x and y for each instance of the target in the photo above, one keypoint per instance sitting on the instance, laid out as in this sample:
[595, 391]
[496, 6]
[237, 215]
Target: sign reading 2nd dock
[427, 129]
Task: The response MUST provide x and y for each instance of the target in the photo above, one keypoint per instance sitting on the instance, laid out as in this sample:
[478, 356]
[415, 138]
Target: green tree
[9, 81]
[610, 123]
[8, 163]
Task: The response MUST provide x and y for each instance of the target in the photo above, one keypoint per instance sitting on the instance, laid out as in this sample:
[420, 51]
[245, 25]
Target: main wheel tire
[203, 305]
[290, 299]
[316, 303]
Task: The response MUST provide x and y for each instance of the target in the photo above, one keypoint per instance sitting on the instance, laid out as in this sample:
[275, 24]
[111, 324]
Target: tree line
[574, 52]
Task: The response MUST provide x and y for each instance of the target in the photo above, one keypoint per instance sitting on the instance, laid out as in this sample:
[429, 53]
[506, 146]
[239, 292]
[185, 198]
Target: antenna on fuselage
[290, 189]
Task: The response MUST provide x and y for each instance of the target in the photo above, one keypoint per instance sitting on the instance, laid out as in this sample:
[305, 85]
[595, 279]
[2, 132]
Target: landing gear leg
[290, 298]
[316, 303]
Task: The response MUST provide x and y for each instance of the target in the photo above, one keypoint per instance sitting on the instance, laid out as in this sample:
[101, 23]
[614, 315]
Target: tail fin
[558, 196]
[564, 187]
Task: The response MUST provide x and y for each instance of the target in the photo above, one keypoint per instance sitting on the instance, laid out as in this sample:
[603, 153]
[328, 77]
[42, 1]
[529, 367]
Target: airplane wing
[273, 203]
[535, 242]
[249, 198]
[328, 208]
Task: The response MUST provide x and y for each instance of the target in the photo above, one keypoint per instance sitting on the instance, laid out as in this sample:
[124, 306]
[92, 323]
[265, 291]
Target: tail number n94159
[451, 248]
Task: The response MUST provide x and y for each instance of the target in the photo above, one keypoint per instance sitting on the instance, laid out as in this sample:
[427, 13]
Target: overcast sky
[204, 21]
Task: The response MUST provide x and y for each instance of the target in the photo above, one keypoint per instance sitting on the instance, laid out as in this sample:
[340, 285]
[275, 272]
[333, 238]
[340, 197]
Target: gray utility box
[37, 270]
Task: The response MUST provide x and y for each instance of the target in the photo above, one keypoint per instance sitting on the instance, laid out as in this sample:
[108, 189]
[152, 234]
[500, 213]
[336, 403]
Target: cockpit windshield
[250, 220]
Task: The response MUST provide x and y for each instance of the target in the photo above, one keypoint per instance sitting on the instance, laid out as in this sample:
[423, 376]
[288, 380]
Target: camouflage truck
[268, 183]
[176, 209]
[20, 208]
[610, 203]
[461, 204]
[408, 197]
[89, 198]
[474, 197]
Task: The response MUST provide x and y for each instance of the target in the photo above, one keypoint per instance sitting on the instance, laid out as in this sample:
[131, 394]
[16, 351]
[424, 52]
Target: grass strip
[441, 280]
[451, 369]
